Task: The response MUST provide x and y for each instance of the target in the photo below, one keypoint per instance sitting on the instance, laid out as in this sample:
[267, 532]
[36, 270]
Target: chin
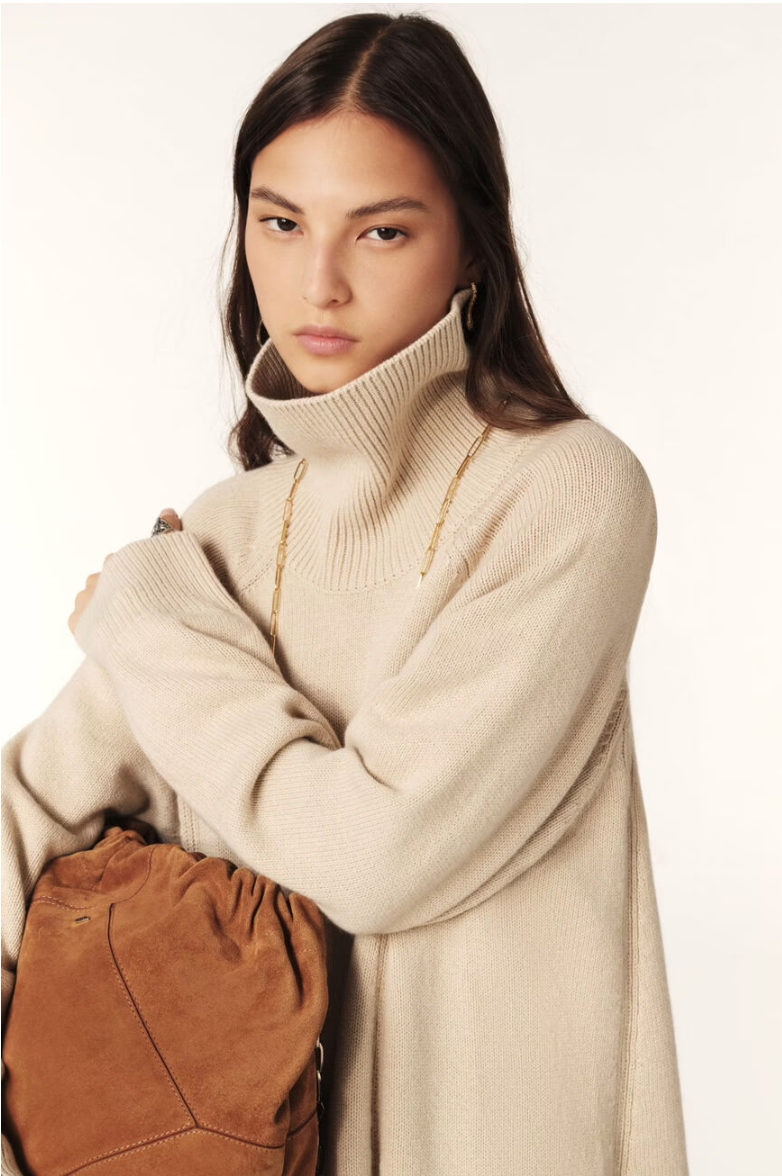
[324, 375]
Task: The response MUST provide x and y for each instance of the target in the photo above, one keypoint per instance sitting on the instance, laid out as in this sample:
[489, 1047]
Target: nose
[324, 282]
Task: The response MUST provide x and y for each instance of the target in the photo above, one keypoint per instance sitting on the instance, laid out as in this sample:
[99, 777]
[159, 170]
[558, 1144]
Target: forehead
[344, 152]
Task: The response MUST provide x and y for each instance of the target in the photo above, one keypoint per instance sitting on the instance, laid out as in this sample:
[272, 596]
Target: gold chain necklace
[428, 557]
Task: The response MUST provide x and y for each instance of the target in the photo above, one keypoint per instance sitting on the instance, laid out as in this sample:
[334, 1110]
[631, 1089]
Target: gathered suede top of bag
[165, 1018]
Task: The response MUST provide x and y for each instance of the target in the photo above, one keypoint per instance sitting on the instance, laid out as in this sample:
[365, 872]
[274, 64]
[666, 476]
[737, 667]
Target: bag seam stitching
[145, 1144]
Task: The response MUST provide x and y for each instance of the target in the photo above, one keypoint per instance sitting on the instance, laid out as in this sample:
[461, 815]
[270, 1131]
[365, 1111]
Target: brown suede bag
[166, 1018]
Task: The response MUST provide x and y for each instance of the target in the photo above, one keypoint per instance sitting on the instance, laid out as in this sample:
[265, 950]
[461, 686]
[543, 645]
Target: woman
[385, 665]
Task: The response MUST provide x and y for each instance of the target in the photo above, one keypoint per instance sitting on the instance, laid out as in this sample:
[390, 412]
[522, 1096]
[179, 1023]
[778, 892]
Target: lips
[324, 341]
[325, 345]
[325, 333]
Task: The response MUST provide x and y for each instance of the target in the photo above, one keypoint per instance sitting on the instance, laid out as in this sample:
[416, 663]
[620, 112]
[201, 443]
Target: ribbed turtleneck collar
[381, 451]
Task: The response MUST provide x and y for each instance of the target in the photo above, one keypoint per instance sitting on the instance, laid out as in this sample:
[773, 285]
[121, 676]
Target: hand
[84, 597]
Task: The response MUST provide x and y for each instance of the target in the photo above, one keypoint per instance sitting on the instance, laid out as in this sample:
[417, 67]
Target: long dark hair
[411, 71]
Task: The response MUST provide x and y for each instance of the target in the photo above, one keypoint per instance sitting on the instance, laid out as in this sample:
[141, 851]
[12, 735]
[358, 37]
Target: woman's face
[350, 227]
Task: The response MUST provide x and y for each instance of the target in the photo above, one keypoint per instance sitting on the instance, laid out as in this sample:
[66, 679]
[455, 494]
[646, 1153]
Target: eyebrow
[394, 204]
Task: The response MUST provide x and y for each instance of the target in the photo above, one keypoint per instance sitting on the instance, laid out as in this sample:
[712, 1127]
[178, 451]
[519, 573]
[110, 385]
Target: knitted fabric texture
[449, 773]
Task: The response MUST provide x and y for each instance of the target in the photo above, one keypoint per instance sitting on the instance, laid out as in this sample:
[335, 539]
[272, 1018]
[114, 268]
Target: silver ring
[160, 526]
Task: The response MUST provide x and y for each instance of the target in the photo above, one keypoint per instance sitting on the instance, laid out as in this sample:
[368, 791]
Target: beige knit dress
[448, 771]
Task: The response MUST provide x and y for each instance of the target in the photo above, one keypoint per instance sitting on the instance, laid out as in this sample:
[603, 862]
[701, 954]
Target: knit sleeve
[452, 765]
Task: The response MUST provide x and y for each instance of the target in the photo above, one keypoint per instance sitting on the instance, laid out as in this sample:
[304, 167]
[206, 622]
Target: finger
[170, 515]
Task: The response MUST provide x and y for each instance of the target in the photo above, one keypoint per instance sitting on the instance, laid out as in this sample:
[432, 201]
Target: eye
[383, 230]
[285, 225]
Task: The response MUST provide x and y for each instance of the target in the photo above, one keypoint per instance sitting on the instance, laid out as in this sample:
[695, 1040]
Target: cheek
[443, 260]
[256, 250]
[265, 278]
[431, 274]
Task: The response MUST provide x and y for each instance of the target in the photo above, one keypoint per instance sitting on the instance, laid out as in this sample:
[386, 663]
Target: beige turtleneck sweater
[448, 771]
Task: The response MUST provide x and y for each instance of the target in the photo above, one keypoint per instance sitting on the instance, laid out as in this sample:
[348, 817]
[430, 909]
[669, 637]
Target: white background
[643, 143]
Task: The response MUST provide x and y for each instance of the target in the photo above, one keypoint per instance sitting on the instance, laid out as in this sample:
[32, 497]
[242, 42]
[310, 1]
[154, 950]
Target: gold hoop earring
[470, 305]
